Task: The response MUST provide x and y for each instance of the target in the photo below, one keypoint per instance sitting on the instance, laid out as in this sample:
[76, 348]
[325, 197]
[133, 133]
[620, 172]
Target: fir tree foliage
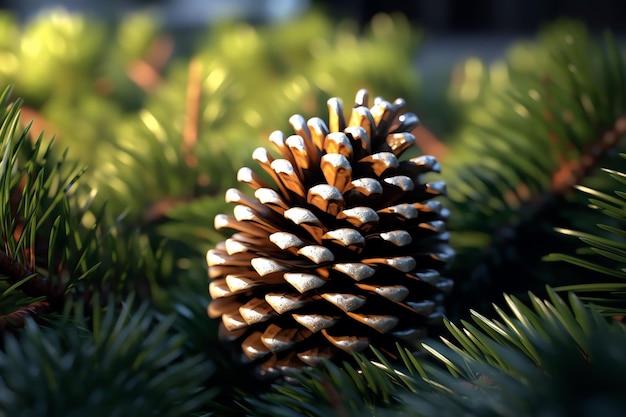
[555, 357]
[36, 216]
[530, 133]
[606, 251]
[124, 360]
[56, 247]
[99, 352]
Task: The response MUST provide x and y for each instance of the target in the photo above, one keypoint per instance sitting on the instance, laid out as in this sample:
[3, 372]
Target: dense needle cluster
[343, 251]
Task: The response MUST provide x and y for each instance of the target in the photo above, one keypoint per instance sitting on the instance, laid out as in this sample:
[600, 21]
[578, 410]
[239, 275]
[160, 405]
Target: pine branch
[428, 143]
[128, 361]
[146, 71]
[18, 318]
[573, 172]
[516, 166]
[58, 249]
[32, 284]
[194, 96]
[606, 253]
[156, 212]
[552, 355]
[532, 207]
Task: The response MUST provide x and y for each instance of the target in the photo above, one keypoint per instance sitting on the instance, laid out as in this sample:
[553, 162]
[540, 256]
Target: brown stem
[146, 72]
[429, 143]
[190, 133]
[564, 180]
[157, 211]
[573, 172]
[17, 318]
[37, 286]
[38, 122]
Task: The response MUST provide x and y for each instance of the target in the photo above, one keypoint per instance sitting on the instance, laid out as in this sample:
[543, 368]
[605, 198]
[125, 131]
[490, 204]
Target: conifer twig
[570, 174]
[192, 116]
[37, 286]
[19, 316]
[146, 72]
[574, 171]
[429, 143]
[156, 212]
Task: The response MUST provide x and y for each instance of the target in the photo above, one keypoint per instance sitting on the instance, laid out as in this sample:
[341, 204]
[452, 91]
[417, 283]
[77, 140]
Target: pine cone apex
[343, 251]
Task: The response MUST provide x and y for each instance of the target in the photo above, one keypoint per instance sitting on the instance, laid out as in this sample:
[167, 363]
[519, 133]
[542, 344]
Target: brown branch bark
[157, 211]
[17, 318]
[194, 95]
[573, 172]
[146, 72]
[429, 143]
[478, 277]
[37, 286]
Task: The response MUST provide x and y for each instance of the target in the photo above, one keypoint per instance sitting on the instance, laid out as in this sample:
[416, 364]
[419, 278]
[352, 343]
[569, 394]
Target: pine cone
[342, 252]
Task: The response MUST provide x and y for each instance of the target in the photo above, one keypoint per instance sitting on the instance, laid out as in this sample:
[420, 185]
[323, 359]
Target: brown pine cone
[342, 252]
